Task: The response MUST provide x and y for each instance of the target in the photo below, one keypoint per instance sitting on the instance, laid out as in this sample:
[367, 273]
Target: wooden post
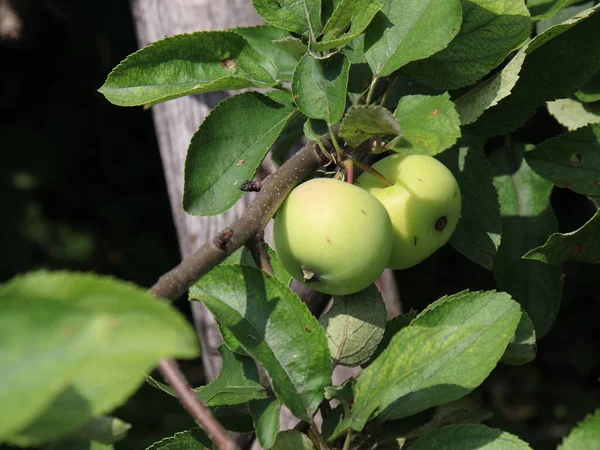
[177, 120]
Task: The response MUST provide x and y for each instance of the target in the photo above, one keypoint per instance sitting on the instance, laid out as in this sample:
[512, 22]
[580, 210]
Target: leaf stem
[374, 172]
[314, 431]
[348, 440]
[349, 166]
[371, 90]
[335, 143]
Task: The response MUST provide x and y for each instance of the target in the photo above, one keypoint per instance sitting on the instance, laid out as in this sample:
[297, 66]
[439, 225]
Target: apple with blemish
[333, 236]
[424, 204]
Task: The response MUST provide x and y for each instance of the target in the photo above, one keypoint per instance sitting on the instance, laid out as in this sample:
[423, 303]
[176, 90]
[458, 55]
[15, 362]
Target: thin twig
[348, 440]
[259, 253]
[201, 414]
[316, 434]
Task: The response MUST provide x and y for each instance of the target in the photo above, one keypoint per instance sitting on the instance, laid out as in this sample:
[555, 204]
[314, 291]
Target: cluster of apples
[338, 237]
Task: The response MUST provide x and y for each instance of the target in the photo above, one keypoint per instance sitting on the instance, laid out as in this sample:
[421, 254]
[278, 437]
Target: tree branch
[274, 190]
[201, 414]
[249, 226]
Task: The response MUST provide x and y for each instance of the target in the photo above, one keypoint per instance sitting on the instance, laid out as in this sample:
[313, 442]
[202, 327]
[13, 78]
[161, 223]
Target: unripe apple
[333, 236]
[423, 203]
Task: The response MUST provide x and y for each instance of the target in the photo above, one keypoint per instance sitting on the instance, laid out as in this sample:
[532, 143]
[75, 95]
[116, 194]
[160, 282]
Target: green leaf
[354, 325]
[477, 235]
[570, 160]
[83, 321]
[408, 30]
[547, 55]
[491, 29]
[458, 339]
[336, 424]
[243, 257]
[362, 122]
[349, 20]
[590, 91]
[574, 114]
[469, 437]
[275, 328]
[359, 82]
[299, 16]
[488, 93]
[187, 64]
[237, 382]
[461, 411]
[563, 15]
[544, 9]
[105, 430]
[265, 415]
[522, 348]
[315, 129]
[319, 86]
[262, 38]
[585, 436]
[391, 328]
[579, 245]
[292, 440]
[527, 220]
[194, 439]
[292, 45]
[227, 150]
[429, 124]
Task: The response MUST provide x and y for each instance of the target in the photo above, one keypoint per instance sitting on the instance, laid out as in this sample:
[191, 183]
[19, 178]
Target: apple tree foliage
[442, 78]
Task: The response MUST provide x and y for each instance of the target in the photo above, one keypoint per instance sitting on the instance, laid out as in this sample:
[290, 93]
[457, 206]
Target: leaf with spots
[106, 335]
[527, 221]
[354, 325]
[228, 148]
[188, 64]
[319, 86]
[445, 353]
[275, 328]
[404, 31]
[429, 124]
[491, 29]
[571, 160]
[579, 245]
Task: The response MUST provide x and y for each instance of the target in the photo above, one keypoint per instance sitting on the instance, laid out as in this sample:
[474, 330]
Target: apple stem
[349, 166]
[375, 173]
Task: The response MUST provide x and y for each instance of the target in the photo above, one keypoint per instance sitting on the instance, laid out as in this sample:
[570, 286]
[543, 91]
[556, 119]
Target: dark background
[82, 188]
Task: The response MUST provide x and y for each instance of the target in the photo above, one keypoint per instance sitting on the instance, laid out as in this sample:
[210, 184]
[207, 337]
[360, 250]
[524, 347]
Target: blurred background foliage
[82, 188]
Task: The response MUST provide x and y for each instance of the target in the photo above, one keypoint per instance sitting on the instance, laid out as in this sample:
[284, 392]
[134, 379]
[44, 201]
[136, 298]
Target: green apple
[423, 203]
[333, 236]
